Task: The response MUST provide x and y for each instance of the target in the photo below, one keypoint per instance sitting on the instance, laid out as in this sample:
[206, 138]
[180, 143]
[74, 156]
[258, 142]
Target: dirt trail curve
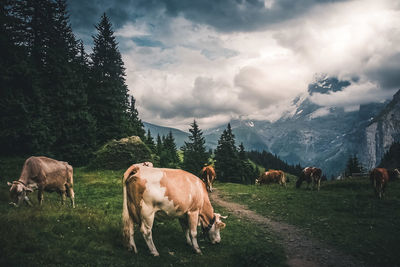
[300, 249]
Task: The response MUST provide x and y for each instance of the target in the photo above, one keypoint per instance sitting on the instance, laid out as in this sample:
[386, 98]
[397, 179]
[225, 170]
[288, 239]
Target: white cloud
[211, 76]
[130, 30]
[352, 96]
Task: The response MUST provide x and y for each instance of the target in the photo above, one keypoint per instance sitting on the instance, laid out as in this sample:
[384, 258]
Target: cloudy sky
[214, 60]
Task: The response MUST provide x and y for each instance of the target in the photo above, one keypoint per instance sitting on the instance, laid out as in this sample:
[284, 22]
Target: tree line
[56, 99]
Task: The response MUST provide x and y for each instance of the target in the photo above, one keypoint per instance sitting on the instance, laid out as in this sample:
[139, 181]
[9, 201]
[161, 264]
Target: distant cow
[379, 178]
[272, 176]
[44, 174]
[162, 193]
[207, 174]
[310, 175]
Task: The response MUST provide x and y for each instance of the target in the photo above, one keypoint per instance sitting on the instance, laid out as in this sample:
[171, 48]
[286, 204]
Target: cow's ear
[221, 225]
[9, 184]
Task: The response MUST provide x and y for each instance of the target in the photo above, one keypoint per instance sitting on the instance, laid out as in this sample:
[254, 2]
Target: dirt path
[300, 249]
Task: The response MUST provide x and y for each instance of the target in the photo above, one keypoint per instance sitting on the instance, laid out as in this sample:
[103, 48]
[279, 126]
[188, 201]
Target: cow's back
[380, 175]
[173, 191]
[53, 174]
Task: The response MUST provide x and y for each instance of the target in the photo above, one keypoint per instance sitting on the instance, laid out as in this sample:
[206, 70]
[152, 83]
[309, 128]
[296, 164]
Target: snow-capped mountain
[313, 135]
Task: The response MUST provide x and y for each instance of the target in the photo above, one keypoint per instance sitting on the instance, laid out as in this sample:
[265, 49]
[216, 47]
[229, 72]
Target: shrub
[120, 154]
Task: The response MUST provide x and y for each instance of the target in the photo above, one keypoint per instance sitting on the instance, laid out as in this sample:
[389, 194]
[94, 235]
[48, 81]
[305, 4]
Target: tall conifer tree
[169, 155]
[108, 93]
[135, 123]
[194, 151]
[226, 157]
[149, 141]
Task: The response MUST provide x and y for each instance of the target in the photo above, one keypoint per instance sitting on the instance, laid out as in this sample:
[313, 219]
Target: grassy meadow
[91, 234]
[343, 213]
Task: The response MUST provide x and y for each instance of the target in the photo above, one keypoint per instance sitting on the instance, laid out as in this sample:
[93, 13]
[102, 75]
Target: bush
[120, 154]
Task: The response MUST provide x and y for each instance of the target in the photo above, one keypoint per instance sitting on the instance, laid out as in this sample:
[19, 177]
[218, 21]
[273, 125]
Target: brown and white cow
[207, 174]
[379, 178]
[167, 193]
[44, 174]
[310, 175]
[272, 176]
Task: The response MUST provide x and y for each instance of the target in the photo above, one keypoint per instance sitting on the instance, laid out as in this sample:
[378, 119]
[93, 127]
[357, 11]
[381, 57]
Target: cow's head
[214, 227]
[18, 193]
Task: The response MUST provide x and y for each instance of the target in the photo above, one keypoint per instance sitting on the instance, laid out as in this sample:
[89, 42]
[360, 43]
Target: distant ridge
[180, 136]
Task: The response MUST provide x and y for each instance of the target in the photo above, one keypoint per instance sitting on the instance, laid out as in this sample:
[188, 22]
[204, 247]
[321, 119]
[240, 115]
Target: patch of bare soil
[300, 249]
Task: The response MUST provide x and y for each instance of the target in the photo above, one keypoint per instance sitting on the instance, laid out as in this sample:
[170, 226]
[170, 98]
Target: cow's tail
[127, 222]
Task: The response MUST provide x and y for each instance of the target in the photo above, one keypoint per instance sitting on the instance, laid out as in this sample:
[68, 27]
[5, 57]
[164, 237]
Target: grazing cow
[310, 175]
[379, 178]
[167, 193]
[272, 176]
[44, 174]
[207, 174]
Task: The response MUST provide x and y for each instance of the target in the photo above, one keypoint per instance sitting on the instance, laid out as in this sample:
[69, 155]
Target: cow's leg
[147, 215]
[40, 196]
[319, 184]
[63, 195]
[193, 218]
[71, 195]
[185, 228]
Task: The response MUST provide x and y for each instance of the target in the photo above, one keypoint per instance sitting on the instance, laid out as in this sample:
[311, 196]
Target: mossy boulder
[120, 154]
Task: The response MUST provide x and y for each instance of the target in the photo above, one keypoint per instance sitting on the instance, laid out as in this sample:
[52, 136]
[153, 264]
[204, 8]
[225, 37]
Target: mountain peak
[324, 84]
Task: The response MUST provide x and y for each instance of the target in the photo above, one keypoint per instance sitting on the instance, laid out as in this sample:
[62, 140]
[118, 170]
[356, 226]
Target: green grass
[91, 234]
[345, 214]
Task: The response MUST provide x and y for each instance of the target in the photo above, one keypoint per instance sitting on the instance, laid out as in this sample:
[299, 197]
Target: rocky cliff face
[381, 133]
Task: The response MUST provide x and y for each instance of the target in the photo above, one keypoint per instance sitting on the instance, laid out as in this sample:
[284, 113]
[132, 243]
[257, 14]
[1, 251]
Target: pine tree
[159, 145]
[353, 166]
[51, 108]
[14, 81]
[150, 142]
[194, 151]
[71, 123]
[226, 157]
[248, 173]
[136, 125]
[108, 93]
[169, 155]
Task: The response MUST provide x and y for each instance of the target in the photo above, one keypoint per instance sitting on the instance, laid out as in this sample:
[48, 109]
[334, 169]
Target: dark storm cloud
[239, 15]
[223, 15]
[387, 74]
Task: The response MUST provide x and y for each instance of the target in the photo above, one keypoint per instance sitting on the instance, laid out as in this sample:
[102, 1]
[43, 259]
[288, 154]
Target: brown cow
[207, 174]
[44, 174]
[310, 175]
[272, 176]
[379, 178]
[162, 193]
